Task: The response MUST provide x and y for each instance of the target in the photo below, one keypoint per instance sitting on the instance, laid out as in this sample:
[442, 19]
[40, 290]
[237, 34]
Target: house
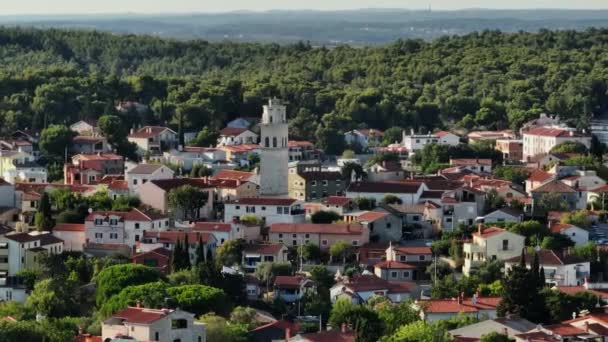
[302, 150]
[580, 236]
[314, 184]
[229, 190]
[560, 270]
[291, 289]
[537, 178]
[339, 204]
[7, 194]
[512, 149]
[281, 330]
[408, 192]
[394, 271]
[154, 139]
[490, 244]
[236, 136]
[456, 212]
[434, 310]
[135, 107]
[383, 226]
[186, 158]
[360, 288]
[122, 227]
[385, 171]
[144, 324]
[12, 289]
[342, 335]
[155, 194]
[221, 231]
[506, 214]
[239, 154]
[91, 168]
[72, 234]
[564, 332]
[268, 209]
[416, 142]
[143, 173]
[252, 287]
[19, 145]
[158, 258]
[420, 257]
[263, 252]
[242, 176]
[169, 238]
[503, 325]
[85, 128]
[90, 144]
[363, 138]
[320, 235]
[478, 136]
[24, 249]
[18, 166]
[475, 165]
[567, 194]
[117, 188]
[599, 290]
[540, 140]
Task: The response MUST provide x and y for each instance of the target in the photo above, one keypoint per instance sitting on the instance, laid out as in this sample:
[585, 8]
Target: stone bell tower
[275, 152]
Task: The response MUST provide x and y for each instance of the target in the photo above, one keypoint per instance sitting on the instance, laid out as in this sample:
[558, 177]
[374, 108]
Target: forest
[488, 79]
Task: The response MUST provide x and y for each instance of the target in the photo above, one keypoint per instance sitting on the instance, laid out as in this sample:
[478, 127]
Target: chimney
[343, 328]
[138, 304]
[480, 228]
[571, 133]
[131, 131]
[287, 334]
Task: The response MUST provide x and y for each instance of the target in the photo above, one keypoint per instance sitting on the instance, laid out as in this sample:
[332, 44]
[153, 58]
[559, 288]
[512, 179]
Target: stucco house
[579, 235]
[560, 270]
[358, 289]
[491, 244]
[143, 173]
[154, 139]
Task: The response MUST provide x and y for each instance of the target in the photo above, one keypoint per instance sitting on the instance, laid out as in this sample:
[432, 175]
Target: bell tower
[274, 161]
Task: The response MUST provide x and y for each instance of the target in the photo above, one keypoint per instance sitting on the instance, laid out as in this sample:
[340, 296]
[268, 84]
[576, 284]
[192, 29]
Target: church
[274, 159]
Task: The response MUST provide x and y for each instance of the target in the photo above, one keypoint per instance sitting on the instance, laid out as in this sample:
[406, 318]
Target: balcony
[297, 212]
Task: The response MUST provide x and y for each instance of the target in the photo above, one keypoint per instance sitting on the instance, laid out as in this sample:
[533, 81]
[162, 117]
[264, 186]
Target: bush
[113, 279]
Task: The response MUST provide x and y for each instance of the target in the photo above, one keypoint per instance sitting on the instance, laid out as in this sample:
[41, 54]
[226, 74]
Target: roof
[510, 211]
[554, 186]
[559, 227]
[263, 201]
[212, 226]
[86, 138]
[431, 194]
[337, 200]
[396, 187]
[69, 227]
[49, 239]
[233, 131]
[329, 229]
[97, 156]
[565, 329]
[413, 250]
[289, 281]
[539, 175]
[408, 209]
[571, 290]
[146, 169]
[488, 232]
[232, 174]
[467, 305]
[119, 184]
[302, 143]
[132, 215]
[366, 283]
[21, 237]
[329, 336]
[172, 236]
[149, 132]
[537, 336]
[264, 248]
[140, 315]
[472, 161]
[394, 265]
[370, 131]
[320, 175]
[170, 184]
[442, 133]
[547, 257]
[241, 148]
[282, 324]
[160, 251]
[553, 132]
[371, 216]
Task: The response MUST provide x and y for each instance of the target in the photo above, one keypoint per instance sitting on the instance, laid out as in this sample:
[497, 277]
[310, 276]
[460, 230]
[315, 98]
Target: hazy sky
[156, 6]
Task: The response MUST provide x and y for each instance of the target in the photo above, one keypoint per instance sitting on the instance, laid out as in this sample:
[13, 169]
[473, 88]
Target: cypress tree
[522, 260]
[535, 271]
[541, 277]
[177, 255]
[200, 252]
[187, 263]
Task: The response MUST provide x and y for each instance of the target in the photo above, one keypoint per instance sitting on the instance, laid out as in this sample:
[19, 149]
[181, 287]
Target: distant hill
[357, 27]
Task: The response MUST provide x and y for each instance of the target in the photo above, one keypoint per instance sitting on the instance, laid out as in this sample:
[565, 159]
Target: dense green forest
[488, 79]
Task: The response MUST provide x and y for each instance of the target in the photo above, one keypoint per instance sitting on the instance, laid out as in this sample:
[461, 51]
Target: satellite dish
[90, 210]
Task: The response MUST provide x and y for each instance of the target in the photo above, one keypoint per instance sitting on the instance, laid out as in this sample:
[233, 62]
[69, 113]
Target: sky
[9, 7]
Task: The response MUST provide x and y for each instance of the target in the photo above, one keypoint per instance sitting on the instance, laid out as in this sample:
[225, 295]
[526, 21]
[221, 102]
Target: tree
[352, 171]
[329, 134]
[395, 316]
[206, 137]
[569, 147]
[55, 141]
[310, 252]
[418, 331]
[230, 252]
[367, 325]
[244, 316]
[54, 297]
[219, 329]
[552, 201]
[348, 154]
[366, 203]
[112, 279]
[392, 136]
[341, 312]
[322, 216]
[267, 271]
[199, 170]
[188, 200]
[149, 295]
[200, 299]
[391, 199]
[125, 203]
[495, 337]
[519, 297]
[579, 218]
[339, 250]
[200, 252]
[42, 223]
[511, 173]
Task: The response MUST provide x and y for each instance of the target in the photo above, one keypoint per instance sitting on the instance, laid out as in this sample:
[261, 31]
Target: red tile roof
[371, 216]
[132, 215]
[169, 184]
[395, 187]
[413, 250]
[119, 185]
[337, 200]
[241, 148]
[537, 336]
[212, 226]
[264, 248]
[547, 257]
[554, 186]
[394, 265]
[289, 281]
[571, 290]
[232, 174]
[295, 143]
[264, 201]
[69, 227]
[232, 131]
[467, 305]
[97, 156]
[140, 315]
[471, 161]
[488, 232]
[553, 132]
[160, 251]
[282, 324]
[565, 329]
[329, 229]
[86, 138]
[149, 132]
[442, 133]
[330, 336]
[172, 236]
[539, 176]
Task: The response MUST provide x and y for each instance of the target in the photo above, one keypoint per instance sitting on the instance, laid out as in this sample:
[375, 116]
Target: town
[258, 237]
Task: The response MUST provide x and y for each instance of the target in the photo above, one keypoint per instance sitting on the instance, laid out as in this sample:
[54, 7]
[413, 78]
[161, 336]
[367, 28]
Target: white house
[416, 142]
[24, 249]
[143, 173]
[85, 127]
[504, 215]
[473, 164]
[540, 140]
[7, 194]
[263, 252]
[222, 231]
[358, 289]
[236, 136]
[363, 137]
[385, 171]
[408, 192]
[269, 209]
[560, 270]
[579, 235]
[292, 288]
[18, 166]
[143, 324]
[12, 289]
[72, 234]
[434, 310]
[189, 156]
[122, 228]
[491, 244]
[154, 139]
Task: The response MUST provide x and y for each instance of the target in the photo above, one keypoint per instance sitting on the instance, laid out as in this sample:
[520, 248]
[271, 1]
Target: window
[113, 222]
[394, 274]
[238, 207]
[136, 237]
[505, 245]
[263, 208]
[135, 182]
[307, 236]
[313, 183]
[388, 225]
[144, 181]
[274, 141]
[416, 218]
[156, 336]
[294, 236]
[179, 324]
[355, 242]
[406, 274]
[136, 225]
[113, 236]
[286, 210]
[421, 257]
[280, 210]
[167, 223]
[98, 222]
[294, 242]
[99, 235]
[325, 182]
[324, 242]
[280, 235]
[250, 209]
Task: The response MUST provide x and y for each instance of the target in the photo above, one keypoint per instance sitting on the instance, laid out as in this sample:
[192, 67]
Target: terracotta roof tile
[371, 216]
[145, 169]
[565, 329]
[547, 257]
[470, 161]
[264, 201]
[149, 132]
[539, 176]
[232, 174]
[212, 226]
[554, 186]
[394, 265]
[337, 200]
[553, 132]
[394, 187]
[140, 315]
[488, 232]
[69, 227]
[264, 248]
[329, 229]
